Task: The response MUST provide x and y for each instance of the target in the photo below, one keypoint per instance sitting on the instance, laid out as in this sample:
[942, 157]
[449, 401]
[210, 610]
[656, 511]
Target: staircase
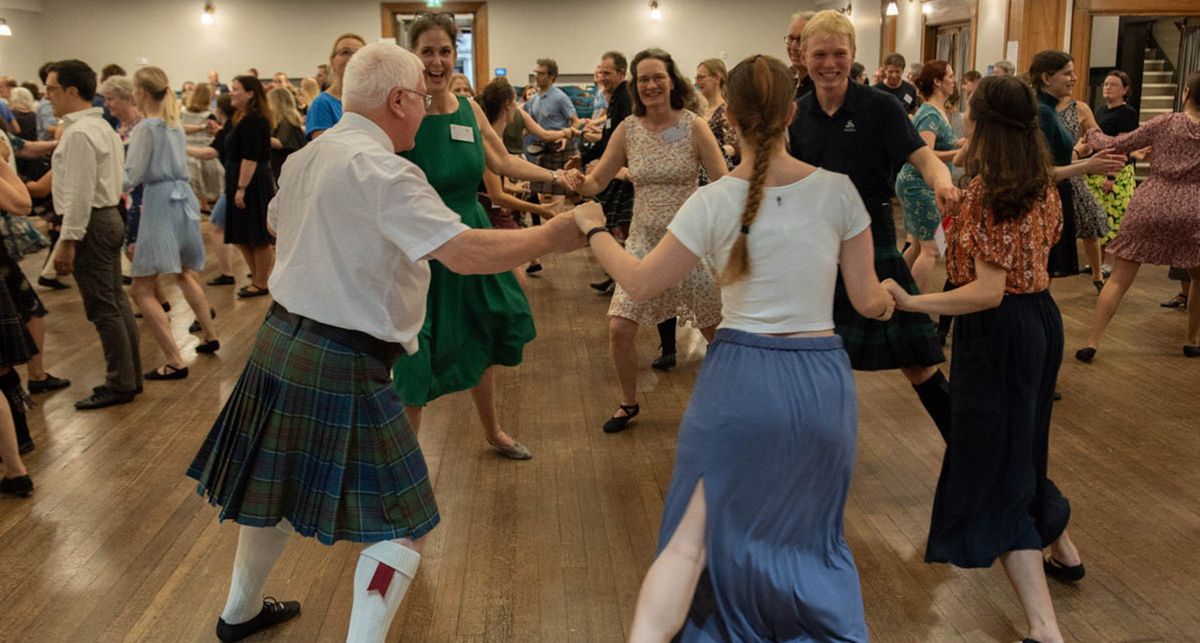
[1158, 95]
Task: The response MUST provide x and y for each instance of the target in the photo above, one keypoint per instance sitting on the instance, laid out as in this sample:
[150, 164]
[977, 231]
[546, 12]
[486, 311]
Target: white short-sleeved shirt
[354, 224]
[794, 247]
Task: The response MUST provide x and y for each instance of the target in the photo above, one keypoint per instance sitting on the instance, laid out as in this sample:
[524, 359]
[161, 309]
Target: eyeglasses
[790, 40]
[428, 98]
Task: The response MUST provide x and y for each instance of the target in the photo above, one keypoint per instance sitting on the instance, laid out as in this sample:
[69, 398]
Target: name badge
[674, 134]
[908, 98]
[462, 133]
[608, 123]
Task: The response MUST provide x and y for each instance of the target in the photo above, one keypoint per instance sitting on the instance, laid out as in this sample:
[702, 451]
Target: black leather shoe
[196, 327]
[51, 383]
[1066, 573]
[1179, 301]
[1085, 355]
[621, 422]
[20, 486]
[533, 268]
[605, 286]
[52, 283]
[1191, 351]
[103, 396]
[222, 280]
[209, 347]
[273, 613]
[168, 373]
[665, 362]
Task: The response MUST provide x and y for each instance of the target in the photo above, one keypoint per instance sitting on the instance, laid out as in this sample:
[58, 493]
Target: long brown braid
[760, 93]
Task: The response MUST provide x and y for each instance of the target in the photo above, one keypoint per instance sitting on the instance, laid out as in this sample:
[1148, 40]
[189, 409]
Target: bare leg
[1123, 274]
[671, 581]
[224, 251]
[926, 261]
[484, 397]
[13, 467]
[1193, 327]
[918, 374]
[1091, 248]
[194, 294]
[621, 335]
[912, 251]
[152, 313]
[1064, 550]
[248, 257]
[1024, 569]
[264, 261]
[35, 369]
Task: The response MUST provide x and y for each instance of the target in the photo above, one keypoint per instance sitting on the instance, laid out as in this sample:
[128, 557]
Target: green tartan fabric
[907, 339]
[314, 433]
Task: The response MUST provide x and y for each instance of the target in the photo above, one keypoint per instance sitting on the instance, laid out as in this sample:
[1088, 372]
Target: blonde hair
[309, 90]
[761, 91]
[200, 98]
[22, 100]
[283, 105]
[333, 50]
[153, 80]
[716, 67]
[828, 23]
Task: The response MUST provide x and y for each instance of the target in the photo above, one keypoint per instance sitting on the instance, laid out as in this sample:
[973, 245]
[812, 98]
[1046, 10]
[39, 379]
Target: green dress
[471, 321]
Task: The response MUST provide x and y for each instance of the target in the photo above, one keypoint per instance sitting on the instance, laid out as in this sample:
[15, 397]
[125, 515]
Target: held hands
[947, 197]
[566, 235]
[589, 215]
[901, 300]
[1107, 162]
[570, 179]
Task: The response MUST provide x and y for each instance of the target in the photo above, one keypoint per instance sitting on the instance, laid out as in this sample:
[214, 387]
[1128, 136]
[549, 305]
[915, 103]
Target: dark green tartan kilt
[314, 433]
[907, 339]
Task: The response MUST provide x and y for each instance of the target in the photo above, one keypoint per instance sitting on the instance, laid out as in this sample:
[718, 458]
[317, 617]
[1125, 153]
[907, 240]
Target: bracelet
[554, 176]
[595, 231]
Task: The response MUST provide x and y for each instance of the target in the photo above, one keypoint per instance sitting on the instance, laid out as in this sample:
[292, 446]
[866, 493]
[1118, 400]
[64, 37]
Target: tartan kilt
[907, 339]
[551, 160]
[617, 201]
[314, 433]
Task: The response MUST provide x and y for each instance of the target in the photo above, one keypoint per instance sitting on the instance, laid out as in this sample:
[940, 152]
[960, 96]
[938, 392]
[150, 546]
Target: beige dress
[664, 169]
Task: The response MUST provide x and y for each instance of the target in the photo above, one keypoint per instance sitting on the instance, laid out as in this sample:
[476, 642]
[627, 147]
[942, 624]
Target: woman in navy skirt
[993, 498]
[751, 545]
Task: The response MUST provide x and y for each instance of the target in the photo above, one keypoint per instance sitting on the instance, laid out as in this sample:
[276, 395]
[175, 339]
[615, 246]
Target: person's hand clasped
[570, 179]
[589, 216]
[567, 236]
[947, 197]
[901, 300]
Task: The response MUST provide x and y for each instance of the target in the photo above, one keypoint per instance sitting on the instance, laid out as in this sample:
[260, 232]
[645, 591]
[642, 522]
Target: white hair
[22, 99]
[1006, 66]
[118, 86]
[374, 71]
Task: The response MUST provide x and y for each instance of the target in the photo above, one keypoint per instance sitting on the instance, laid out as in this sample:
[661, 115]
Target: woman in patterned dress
[1115, 118]
[1091, 221]
[663, 146]
[710, 80]
[1162, 224]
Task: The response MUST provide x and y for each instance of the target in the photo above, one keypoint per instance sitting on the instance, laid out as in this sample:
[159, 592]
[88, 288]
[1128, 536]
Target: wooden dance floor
[116, 546]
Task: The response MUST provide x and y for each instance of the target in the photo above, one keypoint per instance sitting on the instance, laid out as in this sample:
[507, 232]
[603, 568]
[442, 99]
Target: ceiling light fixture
[927, 9]
[5, 30]
[209, 15]
[892, 9]
[655, 12]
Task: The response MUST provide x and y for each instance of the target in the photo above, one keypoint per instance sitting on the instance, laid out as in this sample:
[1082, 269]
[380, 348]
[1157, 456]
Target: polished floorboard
[116, 546]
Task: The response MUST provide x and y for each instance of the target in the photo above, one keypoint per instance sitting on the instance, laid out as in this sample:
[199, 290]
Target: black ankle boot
[934, 394]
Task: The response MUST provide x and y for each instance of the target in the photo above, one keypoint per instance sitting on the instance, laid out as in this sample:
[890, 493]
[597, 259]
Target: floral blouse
[1020, 246]
[725, 135]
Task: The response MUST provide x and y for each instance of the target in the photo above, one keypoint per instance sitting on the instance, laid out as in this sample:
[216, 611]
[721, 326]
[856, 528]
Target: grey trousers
[98, 275]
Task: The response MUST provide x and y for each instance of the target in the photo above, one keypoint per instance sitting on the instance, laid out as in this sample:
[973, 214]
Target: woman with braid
[767, 444]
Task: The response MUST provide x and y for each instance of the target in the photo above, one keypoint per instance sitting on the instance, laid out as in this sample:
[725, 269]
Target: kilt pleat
[314, 433]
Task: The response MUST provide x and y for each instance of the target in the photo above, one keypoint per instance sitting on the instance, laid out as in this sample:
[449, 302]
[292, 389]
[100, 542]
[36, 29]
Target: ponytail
[170, 109]
[154, 81]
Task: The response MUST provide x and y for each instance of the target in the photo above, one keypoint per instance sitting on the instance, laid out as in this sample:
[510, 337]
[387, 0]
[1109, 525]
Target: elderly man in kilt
[313, 439]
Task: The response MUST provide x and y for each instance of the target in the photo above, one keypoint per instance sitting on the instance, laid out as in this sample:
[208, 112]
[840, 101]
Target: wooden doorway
[1085, 10]
[949, 31]
[472, 17]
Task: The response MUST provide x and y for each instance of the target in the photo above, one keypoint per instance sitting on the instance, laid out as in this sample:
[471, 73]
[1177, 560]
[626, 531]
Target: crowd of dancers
[754, 203]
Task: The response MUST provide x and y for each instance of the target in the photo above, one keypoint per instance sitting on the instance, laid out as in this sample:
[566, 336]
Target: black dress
[292, 138]
[250, 140]
[1064, 256]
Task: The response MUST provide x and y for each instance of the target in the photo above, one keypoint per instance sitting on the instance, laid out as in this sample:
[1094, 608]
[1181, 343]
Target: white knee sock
[384, 572]
[258, 549]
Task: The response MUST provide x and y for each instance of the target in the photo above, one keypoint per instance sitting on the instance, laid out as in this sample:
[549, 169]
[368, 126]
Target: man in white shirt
[88, 172]
[314, 440]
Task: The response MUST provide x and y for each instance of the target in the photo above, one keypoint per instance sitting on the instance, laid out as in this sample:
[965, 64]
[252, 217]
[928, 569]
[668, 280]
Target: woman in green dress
[472, 322]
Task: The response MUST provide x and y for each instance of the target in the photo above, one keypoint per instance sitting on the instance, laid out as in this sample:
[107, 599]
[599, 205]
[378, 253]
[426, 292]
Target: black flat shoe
[196, 327]
[533, 268]
[1099, 286]
[1065, 573]
[1191, 351]
[51, 383]
[169, 373]
[247, 292]
[605, 286]
[1179, 301]
[102, 397]
[273, 613]
[665, 362]
[222, 280]
[1085, 355]
[209, 347]
[20, 486]
[620, 423]
[52, 283]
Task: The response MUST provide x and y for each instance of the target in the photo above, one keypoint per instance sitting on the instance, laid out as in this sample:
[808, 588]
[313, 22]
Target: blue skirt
[770, 430]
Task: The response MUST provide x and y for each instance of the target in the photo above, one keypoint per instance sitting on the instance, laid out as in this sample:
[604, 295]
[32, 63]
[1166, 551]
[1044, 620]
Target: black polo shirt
[905, 93]
[620, 106]
[869, 138]
[805, 86]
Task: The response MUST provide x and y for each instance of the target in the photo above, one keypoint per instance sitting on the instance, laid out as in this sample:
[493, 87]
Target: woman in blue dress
[921, 216]
[169, 240]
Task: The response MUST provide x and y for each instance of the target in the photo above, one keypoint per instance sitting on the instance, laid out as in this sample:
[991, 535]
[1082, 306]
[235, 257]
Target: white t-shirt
[794, 247]
[354, 225]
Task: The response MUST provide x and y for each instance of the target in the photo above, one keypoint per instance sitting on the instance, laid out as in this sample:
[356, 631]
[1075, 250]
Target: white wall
[22, 53]
[908, 31]
[992, 21]
[294, 36]
[1105, 34]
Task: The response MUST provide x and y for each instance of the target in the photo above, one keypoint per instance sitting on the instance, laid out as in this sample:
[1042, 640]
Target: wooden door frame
[949, 12]
[1085, 10]
[483, 71]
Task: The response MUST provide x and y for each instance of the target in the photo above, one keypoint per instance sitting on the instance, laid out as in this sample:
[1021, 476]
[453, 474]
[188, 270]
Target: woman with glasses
[326, 109]
[473, 322]
[710, 82]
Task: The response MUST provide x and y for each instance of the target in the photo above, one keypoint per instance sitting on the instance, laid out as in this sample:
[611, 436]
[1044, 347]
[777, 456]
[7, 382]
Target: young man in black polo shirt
[862, 132]
[894, 83]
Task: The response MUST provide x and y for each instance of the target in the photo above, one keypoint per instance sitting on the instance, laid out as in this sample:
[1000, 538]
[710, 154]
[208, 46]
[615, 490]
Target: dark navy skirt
[770, 430]
[993, 495]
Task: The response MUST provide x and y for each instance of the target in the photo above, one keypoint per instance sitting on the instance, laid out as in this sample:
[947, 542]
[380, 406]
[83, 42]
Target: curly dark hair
[931, 72]
[1007, 150]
